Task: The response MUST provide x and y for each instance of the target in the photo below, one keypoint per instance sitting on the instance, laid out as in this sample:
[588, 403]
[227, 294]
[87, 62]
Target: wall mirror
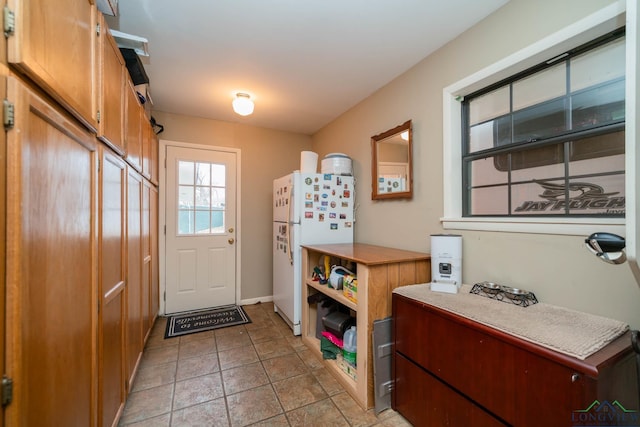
[391, 169]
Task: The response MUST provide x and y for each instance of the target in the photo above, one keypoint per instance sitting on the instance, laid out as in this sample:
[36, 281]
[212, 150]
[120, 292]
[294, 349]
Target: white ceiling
[304, 62]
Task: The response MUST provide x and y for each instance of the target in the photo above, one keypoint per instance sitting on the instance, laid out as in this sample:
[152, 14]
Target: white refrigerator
[308, 208]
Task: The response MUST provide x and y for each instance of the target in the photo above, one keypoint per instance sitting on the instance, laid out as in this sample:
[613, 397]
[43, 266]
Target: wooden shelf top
[368, 254]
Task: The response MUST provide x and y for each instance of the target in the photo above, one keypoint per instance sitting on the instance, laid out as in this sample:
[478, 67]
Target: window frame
[589, 28]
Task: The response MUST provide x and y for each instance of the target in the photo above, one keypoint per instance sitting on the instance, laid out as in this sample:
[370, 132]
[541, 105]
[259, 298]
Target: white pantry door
[200, 236]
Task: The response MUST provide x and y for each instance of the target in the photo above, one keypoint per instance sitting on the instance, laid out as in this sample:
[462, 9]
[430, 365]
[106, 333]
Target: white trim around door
[163, 216]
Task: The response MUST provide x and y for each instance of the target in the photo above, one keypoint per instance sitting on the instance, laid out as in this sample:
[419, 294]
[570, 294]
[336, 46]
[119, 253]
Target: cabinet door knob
[575, 377]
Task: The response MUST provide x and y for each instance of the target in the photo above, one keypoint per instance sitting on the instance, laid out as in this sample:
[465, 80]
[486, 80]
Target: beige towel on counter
[567, 331]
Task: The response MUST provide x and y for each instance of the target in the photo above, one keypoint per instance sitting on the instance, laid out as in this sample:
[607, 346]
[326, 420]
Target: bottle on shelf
[349, 348]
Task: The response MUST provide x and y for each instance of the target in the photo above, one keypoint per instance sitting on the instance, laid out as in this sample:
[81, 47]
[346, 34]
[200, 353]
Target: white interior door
[200, 209]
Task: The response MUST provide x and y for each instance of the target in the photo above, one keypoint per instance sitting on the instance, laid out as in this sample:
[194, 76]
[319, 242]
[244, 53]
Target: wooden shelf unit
[379, 270]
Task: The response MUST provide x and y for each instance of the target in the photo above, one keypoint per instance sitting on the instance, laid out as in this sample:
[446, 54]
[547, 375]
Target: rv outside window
[549, 141]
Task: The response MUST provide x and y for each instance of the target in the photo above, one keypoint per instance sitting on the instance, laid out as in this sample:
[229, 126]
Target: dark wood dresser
[450, 370]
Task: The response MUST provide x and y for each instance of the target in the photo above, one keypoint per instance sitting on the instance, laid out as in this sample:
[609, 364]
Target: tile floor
[255, 374]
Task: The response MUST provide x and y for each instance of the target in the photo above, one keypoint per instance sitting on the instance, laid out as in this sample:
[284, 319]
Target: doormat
[206, 320]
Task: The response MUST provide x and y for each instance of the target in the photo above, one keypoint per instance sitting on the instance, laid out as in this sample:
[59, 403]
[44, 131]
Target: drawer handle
[575, 378]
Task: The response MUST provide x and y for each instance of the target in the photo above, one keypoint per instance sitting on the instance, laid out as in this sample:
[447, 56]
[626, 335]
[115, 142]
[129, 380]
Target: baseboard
[256, 300]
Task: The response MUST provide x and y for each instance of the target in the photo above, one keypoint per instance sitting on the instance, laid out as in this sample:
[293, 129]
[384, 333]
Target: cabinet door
[3, 222]
[154, 143]
[51, 289]
[112, 85]
[133, 128]
[134, 272]
[146, 258]
[155, 280]
[54, 44]
[147, 132]
[111, 242]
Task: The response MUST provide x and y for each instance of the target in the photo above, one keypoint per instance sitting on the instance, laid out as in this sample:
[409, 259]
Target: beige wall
[265, 154]
[558, 269]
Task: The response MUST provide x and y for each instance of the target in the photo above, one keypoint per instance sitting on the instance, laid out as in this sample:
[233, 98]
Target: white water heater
[446, 262]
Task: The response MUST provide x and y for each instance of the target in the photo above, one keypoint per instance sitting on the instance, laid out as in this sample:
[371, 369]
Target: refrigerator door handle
[289, 223]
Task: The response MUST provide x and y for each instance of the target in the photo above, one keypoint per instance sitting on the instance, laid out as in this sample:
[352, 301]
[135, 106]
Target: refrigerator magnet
[334, 226]
[332, 215]
[308, 196]
[346, 194]
[347, 225]
[321, 217]
[308, 180]
[308, 215]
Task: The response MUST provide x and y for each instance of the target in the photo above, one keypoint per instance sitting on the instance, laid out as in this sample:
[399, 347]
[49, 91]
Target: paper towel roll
[308, 162]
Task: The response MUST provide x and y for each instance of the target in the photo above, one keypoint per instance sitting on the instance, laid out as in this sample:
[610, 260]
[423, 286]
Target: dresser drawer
[426, 401]
[477, 365]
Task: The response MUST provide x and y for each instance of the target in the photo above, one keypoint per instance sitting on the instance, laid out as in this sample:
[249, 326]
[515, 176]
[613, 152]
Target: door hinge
[9, 21]
[98, 29]
[165, 229]
[8, 114]
[98, 116]
[7, 390]
[164, 296]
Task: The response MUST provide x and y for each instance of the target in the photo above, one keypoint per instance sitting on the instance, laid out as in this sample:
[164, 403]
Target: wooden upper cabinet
[53, 43]
[133, 128]
[149, 151]
[112, 86]
[155, 147]
[147, 134]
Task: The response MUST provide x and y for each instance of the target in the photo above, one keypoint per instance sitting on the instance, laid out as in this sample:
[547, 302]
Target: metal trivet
[504, 293]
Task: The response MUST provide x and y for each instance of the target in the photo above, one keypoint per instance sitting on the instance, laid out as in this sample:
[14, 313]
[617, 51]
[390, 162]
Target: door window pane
[185, 197]
[186, 221]
[185, 172]
[218, 175]
[201, 198]
[203, 173]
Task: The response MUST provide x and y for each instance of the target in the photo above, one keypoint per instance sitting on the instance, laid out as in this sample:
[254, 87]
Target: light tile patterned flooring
[255, 374]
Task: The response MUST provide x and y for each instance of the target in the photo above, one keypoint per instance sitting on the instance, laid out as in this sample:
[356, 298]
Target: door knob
[231, 241]
[231, 230]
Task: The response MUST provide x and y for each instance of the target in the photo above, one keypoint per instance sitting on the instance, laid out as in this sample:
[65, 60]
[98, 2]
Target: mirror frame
[375, 140]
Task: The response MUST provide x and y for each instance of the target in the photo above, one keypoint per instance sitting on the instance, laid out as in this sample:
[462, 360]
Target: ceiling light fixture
[243, 104]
